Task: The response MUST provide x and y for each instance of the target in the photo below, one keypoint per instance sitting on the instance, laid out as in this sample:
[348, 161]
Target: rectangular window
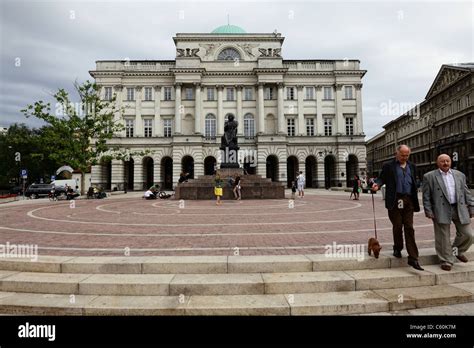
[148, 127]
[349, 125]
[348, 92]
[290, 93]
[148, 95]
[327, 93]
[108, 93]
[248, 95]
[129, 125]
[459, 105]
[249, 127]
[460, 126]
[210, 93]
[188, 93]
[310, 127]
[291, 127]
[167, 127]
[210, 128]
[230, 94]
[269, 93]
[310, 93]
[468, 100]
[167, 93]
[131, 94]
[327, 126]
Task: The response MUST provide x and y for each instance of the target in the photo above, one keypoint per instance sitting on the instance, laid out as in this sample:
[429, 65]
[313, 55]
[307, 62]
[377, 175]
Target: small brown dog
[374, 246]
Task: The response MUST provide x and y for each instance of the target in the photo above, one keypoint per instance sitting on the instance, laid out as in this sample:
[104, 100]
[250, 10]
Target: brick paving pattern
[250, 227]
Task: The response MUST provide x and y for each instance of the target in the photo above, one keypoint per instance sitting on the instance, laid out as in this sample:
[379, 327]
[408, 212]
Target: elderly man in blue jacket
[401, 201]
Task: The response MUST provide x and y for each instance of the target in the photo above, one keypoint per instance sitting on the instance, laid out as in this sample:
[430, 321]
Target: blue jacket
[388, 177]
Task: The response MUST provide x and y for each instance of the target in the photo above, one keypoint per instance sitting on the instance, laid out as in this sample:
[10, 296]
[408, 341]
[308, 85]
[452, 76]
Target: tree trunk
[83, 182]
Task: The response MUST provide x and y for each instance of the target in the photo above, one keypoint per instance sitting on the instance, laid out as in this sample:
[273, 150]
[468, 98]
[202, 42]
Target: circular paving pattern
[167, 227]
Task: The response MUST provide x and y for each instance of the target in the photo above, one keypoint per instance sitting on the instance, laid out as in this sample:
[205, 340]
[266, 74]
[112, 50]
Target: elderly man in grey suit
[447, 198]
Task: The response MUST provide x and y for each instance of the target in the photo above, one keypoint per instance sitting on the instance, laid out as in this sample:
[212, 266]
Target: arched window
[210, 127]
[249, 126]
[228, 54]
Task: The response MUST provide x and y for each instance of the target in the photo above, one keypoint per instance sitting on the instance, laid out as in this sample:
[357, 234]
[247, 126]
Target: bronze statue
[229, 139]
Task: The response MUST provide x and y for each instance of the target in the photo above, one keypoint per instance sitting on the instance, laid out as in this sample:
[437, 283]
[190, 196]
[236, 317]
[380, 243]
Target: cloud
[401, 44]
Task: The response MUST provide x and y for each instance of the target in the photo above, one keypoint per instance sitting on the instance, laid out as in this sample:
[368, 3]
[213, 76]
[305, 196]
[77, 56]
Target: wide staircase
[229, 285]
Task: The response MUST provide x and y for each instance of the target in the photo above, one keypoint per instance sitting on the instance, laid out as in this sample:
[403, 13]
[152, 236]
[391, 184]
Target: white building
[3, 130]
[294, 115]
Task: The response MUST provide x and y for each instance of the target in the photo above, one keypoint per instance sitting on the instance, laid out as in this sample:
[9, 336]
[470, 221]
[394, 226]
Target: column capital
[118, 88]
[299, 87]
[259, 84]
[138, 88]
[157, 88]
[239, 87]
[318, 87]
[197, 84]
[280, 85]
[338, 86]
[219, 87]
[178, 84]
[358, 86]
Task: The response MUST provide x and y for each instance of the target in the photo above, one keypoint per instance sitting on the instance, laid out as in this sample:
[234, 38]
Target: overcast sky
[402, 45]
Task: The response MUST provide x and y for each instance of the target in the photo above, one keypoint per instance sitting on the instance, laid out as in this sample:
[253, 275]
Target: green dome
[228, 29]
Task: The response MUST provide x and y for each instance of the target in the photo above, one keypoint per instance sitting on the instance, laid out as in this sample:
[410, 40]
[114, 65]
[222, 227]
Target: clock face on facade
[229, 54]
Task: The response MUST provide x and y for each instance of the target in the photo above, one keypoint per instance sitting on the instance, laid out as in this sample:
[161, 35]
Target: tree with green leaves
[22, 148]
[77, 133]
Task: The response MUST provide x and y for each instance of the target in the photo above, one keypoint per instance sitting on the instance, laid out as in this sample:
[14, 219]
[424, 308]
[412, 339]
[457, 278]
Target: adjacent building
[442, 123]
[294, 115]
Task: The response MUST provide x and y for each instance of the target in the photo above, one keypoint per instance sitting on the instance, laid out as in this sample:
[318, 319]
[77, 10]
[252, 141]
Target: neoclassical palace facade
[293, 115]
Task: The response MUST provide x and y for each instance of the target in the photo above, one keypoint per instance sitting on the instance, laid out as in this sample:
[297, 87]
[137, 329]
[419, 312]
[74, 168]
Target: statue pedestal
[229, 157]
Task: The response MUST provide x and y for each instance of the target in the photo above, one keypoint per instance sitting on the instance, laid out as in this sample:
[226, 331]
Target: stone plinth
[252, 187]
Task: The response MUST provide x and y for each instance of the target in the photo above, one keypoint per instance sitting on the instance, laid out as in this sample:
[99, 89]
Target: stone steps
[330, 303]
[231, 284]
[209, 264]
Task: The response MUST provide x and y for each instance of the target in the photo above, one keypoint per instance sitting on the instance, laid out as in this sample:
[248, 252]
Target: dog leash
[373, 209]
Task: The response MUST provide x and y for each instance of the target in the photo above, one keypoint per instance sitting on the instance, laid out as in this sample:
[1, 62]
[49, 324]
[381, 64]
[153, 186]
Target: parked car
[38, 190]
[17, 190]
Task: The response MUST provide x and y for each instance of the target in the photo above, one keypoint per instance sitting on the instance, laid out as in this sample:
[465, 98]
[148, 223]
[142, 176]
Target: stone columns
[301, 123]
[319, 112]
[97, 175]
[157, 171]
[358, 127]
[118, 175]
[220, 112]
[281, 110]
[198, 109]
[138, 112]
[240, 117]
[118, 101]
[157, 125]
[138, 180]
[260, 110]
[339, 119]
[320, 174]
[178, 109]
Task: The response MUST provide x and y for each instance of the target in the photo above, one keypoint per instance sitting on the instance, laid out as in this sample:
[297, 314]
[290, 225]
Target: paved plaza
[168, 227]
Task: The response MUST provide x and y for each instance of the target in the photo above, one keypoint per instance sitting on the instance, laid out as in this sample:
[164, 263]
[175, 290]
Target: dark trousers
[401, 218]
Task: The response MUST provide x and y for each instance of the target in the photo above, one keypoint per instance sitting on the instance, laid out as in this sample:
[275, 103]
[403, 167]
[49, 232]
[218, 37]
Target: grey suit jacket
[436, 200]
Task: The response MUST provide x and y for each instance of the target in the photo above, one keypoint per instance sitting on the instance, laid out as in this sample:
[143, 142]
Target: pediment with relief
[446, 77]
